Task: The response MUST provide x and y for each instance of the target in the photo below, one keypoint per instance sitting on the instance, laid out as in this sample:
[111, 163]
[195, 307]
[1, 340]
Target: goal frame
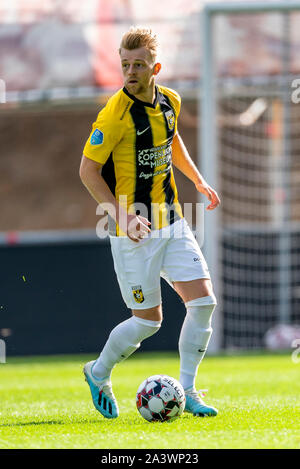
[207, 142]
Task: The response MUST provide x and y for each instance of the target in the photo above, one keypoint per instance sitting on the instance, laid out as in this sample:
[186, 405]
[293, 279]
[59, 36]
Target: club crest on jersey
[138, 293]
[170, 119]
[97, 137]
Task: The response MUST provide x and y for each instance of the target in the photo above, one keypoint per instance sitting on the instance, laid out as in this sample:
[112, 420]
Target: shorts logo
[170, 119]
[97, 137]
[138, 293]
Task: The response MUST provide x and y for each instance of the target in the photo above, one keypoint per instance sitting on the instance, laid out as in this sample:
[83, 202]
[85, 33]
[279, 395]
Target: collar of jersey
[142, 103]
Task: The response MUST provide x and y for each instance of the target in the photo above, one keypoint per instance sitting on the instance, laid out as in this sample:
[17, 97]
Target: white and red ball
[160, 398]
[281, 336]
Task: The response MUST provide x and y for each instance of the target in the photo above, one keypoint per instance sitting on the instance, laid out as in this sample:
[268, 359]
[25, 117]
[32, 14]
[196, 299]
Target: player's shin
[194, 337]
[123, 340]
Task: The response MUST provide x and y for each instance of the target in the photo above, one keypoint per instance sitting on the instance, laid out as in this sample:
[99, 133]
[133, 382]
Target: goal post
[250, 239]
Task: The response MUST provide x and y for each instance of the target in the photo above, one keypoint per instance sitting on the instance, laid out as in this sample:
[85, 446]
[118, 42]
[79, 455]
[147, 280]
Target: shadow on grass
[81, 358]
[50, 422]
[136, 421]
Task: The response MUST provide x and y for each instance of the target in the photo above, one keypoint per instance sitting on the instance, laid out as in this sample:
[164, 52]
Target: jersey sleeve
[105, 135]
[176, 104]
[177, 110]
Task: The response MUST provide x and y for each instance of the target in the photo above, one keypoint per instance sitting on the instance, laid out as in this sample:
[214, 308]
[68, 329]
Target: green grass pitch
[45, 403]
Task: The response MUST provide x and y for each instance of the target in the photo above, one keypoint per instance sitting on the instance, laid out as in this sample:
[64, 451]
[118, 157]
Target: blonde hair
[137, 37]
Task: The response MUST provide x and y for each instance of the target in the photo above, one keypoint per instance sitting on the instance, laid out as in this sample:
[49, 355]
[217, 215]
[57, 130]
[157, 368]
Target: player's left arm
[182, 161]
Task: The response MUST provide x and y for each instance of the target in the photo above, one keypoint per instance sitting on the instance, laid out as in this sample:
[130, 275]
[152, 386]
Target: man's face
[138, 69]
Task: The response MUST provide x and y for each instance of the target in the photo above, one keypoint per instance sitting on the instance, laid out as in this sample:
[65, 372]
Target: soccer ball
[281, 336]
[160, 398]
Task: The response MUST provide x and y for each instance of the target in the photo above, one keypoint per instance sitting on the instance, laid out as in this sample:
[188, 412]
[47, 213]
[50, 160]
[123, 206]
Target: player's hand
[137, 227]
[210, 194]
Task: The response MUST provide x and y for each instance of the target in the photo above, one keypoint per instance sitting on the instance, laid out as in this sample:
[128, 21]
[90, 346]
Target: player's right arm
[136, 227]
[90, 175]
[106, 134]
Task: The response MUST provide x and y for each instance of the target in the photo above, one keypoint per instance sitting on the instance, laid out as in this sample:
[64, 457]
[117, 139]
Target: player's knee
[207, 300]
[197, 328]
[150, 314]
[205, 289]
[201, 309]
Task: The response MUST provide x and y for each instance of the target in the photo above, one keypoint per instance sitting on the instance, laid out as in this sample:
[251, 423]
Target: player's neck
[148, 96]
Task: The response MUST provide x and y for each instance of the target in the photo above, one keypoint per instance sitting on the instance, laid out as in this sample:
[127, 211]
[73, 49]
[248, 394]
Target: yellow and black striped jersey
[133, 141]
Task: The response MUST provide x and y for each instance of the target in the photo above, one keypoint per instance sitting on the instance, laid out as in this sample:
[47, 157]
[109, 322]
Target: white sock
[123, 340]
[101, 372]
[194, 337]
[187, 381]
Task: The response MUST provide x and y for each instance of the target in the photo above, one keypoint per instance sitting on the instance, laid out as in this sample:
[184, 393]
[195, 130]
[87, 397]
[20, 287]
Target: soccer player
[127, 168]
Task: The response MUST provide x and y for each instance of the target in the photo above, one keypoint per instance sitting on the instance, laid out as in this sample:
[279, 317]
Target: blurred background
[235, 66]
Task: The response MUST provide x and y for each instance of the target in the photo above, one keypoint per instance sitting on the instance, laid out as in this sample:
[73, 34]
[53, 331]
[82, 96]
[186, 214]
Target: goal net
[251, 153]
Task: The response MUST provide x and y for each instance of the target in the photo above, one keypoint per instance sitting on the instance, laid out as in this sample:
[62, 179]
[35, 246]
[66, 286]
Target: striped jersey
[132, 139]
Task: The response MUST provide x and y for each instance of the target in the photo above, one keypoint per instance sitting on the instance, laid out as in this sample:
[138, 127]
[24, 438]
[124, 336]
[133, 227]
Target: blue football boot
[102, 395]
[196, 406]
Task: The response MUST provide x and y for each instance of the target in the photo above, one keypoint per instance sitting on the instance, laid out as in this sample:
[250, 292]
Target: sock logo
[138, 293]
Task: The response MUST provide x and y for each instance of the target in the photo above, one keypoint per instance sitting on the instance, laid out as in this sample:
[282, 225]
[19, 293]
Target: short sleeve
[175, 100]
[177, 104]
[177, 110]
[105, 135]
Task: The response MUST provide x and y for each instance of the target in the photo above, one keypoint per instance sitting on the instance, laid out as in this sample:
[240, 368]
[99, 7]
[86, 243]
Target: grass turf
[45, 403]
